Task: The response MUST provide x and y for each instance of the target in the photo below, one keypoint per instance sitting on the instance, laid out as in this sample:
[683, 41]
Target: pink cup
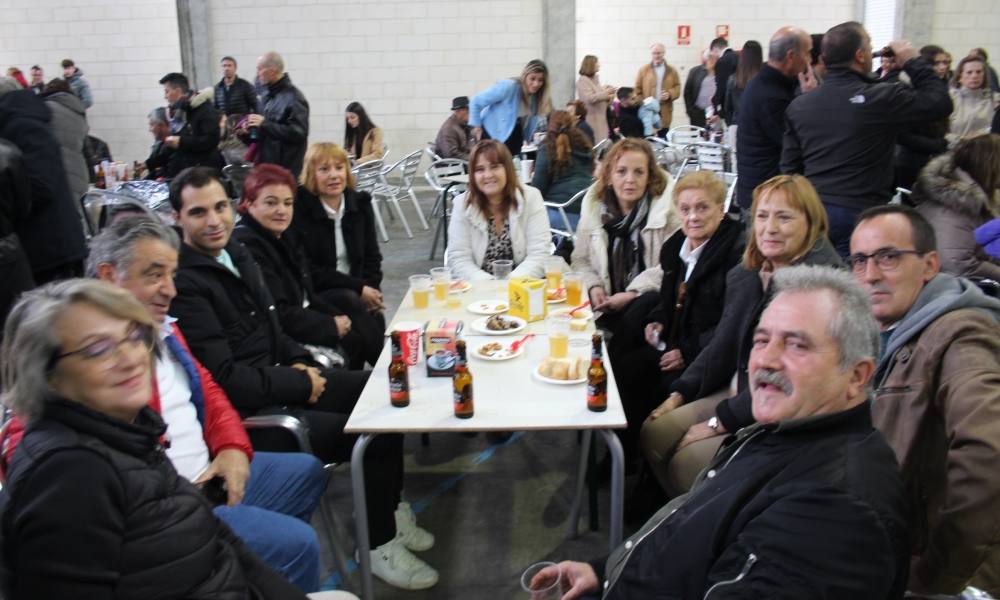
[409, 338]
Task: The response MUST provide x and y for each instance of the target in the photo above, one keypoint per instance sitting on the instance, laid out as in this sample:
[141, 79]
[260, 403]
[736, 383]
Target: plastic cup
[546, 589]
[574, 288]
[420, 288]
[502, 269]
[559, 326]
[553, 272]
[409, 339]
[441, 276]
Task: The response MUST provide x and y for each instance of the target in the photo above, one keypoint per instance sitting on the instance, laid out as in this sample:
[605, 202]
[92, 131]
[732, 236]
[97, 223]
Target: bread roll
[584, 365]
[578, 324]
[560, 370]
[545, 369]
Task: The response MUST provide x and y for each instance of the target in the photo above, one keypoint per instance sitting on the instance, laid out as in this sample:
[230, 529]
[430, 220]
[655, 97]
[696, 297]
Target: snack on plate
[564, 369]
[499, 323]
[578, 324]
[458, 284]
[490, 349]
[500, 307]
[556, 294]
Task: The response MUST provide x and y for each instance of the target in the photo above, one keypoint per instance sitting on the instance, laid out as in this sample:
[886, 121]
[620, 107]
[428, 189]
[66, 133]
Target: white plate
[479, 326]
[557, 300]
[504, 354]
[541, 377]
[488, 307]
[466, 286]
[583, 313]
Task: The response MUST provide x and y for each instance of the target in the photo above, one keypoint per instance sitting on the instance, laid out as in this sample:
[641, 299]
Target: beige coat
[371, 147]
[645, 85]
[590, 254]
[596, 99]
[973, 113]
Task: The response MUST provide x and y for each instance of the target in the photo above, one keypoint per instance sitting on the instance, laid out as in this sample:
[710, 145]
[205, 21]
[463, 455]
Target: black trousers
[367, 336]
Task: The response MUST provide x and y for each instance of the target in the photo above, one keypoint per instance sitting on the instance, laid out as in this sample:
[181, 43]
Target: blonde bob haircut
[801, 196]
[30, 343]
[656, 183]
[588, 68]
[701, 180]
[319, 154]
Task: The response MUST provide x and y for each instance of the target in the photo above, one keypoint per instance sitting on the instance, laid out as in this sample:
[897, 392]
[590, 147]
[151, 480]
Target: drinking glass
[548, 588]
[442, 282]
[559, 326]
[420, 286]
[502, 269]
[553, 272]
[573, 282]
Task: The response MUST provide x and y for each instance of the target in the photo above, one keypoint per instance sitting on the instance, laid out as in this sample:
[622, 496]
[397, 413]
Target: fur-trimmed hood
[942, 183]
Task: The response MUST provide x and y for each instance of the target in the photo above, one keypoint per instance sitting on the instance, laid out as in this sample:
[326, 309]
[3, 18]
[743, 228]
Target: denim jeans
[841, 226]
[273, 519]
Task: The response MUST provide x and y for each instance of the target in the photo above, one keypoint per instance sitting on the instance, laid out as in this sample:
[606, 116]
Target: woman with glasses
[95, 509]
[788, 227]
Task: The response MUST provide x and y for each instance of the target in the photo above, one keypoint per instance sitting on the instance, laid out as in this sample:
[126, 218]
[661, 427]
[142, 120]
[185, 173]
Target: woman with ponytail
[564, 165]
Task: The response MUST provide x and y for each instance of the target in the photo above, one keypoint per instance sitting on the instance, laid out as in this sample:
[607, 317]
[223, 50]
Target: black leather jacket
[285, 129]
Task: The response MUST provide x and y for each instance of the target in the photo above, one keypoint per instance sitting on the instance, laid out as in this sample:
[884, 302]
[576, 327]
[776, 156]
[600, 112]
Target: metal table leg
[361, 513]
[581, 475]
[617, 486]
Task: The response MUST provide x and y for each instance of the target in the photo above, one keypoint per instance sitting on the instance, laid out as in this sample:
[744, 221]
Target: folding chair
[567, 231]
[436, 175]
[407, 167]
[235, 174]
[368, 178]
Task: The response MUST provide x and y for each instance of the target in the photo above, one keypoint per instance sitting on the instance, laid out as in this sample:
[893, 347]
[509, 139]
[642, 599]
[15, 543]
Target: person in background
[629, 124]
[659, 81]
[919, 143]
[975, 102]
[363, 140]
[69, 126]
[37, 84]
[816, 58]
[578, 110]
[282, 128]
[750, 62]
[194, 126]
[594, 97]
[511, 110]
[564, 166]
[692, 87]
[74, 77]
[725, 67]
[957, 193]
[703, 98]
[452, 140]
[234, 96]
[497, 219]
[15, 205]
[18, 76]
[155, 164]
[991, 74]
[939, 59]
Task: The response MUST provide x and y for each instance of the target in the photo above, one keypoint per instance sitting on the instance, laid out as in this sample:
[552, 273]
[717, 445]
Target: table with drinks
[547, 372]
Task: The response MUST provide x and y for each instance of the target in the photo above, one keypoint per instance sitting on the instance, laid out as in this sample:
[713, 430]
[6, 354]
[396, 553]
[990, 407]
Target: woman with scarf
[975, 103]
[624, 220]
[512, 109]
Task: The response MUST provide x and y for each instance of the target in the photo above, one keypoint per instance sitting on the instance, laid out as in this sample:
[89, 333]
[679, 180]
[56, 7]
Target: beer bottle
[102, 182]
[597, 378]
[399, 378]
[462, 384]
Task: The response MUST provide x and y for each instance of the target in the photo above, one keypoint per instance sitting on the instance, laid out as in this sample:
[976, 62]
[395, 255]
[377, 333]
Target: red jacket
[222, 428]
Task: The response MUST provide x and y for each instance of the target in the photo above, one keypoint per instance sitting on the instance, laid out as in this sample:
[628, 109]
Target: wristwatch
[714, 424]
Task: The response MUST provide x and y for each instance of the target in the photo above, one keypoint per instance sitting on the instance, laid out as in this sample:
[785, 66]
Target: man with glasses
[937, 397]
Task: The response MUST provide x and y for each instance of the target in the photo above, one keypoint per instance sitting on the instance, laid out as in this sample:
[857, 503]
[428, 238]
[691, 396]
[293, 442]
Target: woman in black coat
[95, 508]
[267, 208]
[689, 303]
[336, 226]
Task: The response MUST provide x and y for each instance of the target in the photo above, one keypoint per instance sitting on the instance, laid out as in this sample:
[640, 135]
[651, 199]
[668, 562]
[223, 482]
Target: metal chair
[683, 135]
[900, 196]
[667, 155]
[601, 148]
[235, 174]
[708, 156]
[730, 180]
[560, 207]
[368, 178]
[436, 175]
[429, 149]
[385, 151]
[102, 208]
[407, 167]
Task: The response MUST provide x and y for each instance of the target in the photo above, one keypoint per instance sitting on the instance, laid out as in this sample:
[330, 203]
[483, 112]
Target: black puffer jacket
[761, 122]
[706, 288]
[52, 233]
[196, 122]
[231, 325]
[317, 234]
[97, 511]
[15, 204]
[285, 129]
[811, 508]
[239, 98]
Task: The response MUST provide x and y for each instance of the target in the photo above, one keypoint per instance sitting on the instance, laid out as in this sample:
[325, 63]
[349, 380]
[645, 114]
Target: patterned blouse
[498, 247]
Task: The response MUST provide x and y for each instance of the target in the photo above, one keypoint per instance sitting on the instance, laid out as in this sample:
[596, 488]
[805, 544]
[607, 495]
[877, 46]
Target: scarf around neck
[625, 247]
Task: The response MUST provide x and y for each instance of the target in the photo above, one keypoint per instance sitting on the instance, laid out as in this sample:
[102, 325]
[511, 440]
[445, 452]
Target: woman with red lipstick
[267, 206]
[91, 495]
[789, 226]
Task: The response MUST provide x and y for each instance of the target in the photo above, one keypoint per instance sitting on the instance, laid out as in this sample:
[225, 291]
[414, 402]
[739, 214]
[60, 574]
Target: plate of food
[555, 296]
[497, 351]
[498, 325]
[580, 319]
[571, 370]
[459, 287]
[488, 307]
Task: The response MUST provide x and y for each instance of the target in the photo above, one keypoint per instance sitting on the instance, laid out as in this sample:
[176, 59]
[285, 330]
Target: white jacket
[590, 254]
[468, 237]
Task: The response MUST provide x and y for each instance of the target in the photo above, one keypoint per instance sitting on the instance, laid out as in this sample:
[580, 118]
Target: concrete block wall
[961, 25]
[619, 33]
[123, 48]
[404, 61]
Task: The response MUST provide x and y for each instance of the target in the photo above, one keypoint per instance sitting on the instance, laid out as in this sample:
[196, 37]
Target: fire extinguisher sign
[722, 31]
[683, 35]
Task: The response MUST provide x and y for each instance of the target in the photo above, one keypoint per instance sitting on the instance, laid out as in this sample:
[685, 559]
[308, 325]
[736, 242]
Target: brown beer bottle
[399, 378]
[462, 384]
[597, 378]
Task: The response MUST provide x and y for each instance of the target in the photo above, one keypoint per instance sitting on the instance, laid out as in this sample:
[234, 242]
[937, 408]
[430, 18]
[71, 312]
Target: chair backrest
[601, 147]
[236, 174]
[102, 208]
[408, 166]
[385, 151]
[446, 167]
[712, 156]
[367, 176]
[686, 134]
[430, 150]
[900, 195]
[566, 230]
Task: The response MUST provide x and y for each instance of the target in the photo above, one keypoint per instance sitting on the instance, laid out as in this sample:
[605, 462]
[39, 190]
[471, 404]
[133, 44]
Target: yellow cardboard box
[527, 298]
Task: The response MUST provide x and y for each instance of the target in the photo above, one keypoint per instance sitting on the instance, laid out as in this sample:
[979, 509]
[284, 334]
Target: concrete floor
[495, 508]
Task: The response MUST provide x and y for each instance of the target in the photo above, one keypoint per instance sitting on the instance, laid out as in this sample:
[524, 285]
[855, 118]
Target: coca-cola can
[409, 337]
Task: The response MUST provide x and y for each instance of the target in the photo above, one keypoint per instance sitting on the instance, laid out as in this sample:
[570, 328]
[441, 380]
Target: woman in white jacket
[497, 218]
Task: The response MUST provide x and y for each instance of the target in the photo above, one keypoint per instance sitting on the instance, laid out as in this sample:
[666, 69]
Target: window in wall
[880, 21]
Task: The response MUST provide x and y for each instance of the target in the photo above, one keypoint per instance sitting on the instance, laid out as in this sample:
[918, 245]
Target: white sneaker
[397, 566]
[414, 537]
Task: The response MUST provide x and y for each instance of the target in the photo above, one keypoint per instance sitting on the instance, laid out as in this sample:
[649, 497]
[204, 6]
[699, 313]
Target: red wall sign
[722, 31]
[683, 35]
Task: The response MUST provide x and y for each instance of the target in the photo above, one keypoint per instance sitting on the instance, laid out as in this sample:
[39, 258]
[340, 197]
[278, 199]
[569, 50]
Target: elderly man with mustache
[805, 503]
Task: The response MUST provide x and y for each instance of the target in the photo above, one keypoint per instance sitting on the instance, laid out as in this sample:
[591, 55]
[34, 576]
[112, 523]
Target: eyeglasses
[886, 259]
[105, 350]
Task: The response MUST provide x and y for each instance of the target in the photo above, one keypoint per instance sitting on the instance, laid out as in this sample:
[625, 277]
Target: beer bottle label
[597, 392]
[398, 389]
[463, 397]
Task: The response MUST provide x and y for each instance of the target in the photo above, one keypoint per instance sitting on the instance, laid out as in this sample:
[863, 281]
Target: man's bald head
[270, 67]
[789, 50]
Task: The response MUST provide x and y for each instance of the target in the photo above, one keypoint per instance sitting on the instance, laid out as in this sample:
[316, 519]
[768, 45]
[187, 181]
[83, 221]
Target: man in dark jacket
[194, 126]
[52, 233]
[692, 85]
[808, 502]
[283, 128]
[229, 318]
[761, 119]
[234, 96]
[725, 67]
[15, 204]
[452, 139]
[842, 135]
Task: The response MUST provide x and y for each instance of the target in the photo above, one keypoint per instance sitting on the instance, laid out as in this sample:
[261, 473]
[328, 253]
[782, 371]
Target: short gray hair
[30, 343]
[853, 326]
[115, 245]
[784, 40]
[158, 115]
[273, 59]
[8, 84]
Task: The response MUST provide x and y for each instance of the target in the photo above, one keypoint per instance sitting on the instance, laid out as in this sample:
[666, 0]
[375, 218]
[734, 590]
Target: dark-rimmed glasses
[886, 259]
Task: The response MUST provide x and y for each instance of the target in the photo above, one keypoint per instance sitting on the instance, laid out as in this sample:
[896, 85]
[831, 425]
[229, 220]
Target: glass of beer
[559, 335]
[574, 288]
[553, 272]
[420, 287]
[442, 282]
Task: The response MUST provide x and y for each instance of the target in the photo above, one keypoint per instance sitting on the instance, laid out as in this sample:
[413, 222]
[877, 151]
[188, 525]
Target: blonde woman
[511, 109]
[594, 96]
